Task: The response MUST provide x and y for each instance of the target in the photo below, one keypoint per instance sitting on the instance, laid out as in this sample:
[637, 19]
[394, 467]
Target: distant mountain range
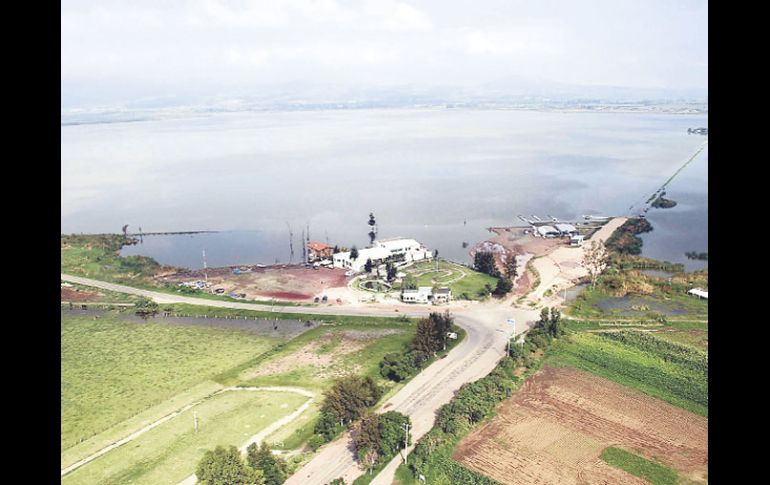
[513, 93]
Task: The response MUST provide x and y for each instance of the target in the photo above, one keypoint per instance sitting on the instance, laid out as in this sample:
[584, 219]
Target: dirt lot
[556, 426]
[282, 282]
[322, 354]
[72, 294]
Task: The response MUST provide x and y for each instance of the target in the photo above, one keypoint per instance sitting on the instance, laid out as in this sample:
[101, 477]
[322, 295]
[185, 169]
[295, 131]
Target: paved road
[435, 386]
[473, 358]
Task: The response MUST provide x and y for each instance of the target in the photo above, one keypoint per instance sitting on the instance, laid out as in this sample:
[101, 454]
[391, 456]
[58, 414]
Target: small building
[417, 295]
[576, 240]
[317, 250]
[566, 229]
[548, 231]
[442, 295]
[699, 293]
[426, 294]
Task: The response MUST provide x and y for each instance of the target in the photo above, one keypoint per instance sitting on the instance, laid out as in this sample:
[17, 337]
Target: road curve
[476, 356]
[486, 335]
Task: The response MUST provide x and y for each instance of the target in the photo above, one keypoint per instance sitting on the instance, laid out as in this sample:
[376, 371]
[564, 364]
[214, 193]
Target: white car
[349, 273]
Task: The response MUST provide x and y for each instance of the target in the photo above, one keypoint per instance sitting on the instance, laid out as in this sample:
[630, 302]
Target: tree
[396, 367]
[224, 466]
[392, 432]
[272, 467]
[485, 262]
[146, 306]
[431, 332]
[595, 259]
[373, 228]
[504, 285]
[328, 426]
[366, 439]
[511, 270]
[391, 271]
[125, 230]
[368, 265]
[354, 253]
[349, 396]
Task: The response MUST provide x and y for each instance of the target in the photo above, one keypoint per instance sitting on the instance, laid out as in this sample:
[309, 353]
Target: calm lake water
[441, 176]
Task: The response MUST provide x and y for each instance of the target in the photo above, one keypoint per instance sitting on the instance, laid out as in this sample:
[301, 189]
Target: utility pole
[205, 273]
[406, 439]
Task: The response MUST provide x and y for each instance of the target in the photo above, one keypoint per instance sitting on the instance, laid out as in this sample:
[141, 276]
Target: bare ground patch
[322, 354]
[555, 427]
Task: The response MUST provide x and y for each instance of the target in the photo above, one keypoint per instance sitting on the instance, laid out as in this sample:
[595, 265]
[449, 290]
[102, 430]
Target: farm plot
[113, 370]
[554, 429]
[170, 452]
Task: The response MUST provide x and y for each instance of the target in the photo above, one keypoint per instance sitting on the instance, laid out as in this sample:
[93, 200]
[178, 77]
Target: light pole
[406, 440]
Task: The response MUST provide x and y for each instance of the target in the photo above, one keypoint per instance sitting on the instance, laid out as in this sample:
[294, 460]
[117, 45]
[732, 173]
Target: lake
[441, 176]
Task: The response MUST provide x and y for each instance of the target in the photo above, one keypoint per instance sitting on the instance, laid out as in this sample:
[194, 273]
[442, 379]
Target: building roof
[546, 229]
[397, 242]
[577, 237]
[443, 291]
[364, 254]
[566, 227]
[317, 246]
[699, 292]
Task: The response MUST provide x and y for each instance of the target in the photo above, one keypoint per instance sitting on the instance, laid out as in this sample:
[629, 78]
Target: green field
[170, 452]
[675, 373]
[654, 473]
[118, 376]
[112, 369]
[464, 282]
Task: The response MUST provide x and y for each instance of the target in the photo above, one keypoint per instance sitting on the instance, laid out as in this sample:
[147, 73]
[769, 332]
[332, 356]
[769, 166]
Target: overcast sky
[212, 46]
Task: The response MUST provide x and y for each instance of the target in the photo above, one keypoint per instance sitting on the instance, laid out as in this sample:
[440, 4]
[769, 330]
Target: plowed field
[556, 426]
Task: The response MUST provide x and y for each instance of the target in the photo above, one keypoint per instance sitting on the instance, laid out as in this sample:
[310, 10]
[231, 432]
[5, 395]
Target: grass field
[118, 376]
[464, 282]
[672, 372]
[112, 369]
[170, 452]
[654, 473]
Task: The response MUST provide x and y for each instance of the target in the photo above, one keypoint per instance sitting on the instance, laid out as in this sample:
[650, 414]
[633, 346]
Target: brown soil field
[555, 427]
[284, 282]
[71, 294]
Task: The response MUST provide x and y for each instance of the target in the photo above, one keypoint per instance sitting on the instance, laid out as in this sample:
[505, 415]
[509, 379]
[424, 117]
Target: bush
[316, 441]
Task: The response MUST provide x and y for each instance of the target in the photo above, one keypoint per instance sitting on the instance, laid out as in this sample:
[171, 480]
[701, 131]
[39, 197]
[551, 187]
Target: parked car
[315, 300]
[219, 291]
[349, 273]
[325, 299]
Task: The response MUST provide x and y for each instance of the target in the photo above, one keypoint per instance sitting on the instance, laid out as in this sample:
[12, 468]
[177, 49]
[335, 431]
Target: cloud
[217, 43]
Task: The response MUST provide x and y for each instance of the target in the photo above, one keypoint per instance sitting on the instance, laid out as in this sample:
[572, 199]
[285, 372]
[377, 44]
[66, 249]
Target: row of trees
[431, 337]
[225, 466]
[378, 437]
[484, 262]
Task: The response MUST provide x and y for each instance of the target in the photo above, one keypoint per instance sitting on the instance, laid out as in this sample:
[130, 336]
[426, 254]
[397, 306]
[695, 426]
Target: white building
[566, 229]
[548, 231]
[377, 255]
[400, 249]
[410, 248]
[425, 294]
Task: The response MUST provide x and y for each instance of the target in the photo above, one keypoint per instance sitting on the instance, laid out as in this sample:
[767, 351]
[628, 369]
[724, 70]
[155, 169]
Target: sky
[112, 51]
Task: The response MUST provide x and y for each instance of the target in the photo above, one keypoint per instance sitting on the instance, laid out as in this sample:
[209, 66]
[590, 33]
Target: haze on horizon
[114, 52]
